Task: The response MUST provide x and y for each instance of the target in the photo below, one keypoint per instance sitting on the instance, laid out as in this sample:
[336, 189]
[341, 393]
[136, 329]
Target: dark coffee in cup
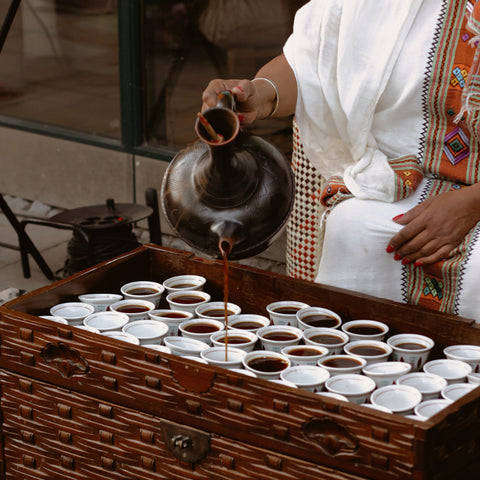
[279, 336]
[319, 320]
[234, 339]
[336, 361]
[410, 346]
[364, 329]
[303, 352]
[287, 310]
[326, 339]
[132, 308]
[141, 291]
[188, 299]
[182, 286]
[268, 364]
[216, 312]
[175, 315]
[367, 350]
[201, 328]
[247, 325]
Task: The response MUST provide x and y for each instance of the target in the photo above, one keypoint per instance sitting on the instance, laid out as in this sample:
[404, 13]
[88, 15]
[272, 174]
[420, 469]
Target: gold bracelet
[277, 95]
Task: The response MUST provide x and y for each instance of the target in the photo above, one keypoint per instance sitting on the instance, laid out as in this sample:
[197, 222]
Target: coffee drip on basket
[229, 193]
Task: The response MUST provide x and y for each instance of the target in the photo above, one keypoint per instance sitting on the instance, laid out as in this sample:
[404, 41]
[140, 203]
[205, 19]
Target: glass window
[59, 65]
[188, 43]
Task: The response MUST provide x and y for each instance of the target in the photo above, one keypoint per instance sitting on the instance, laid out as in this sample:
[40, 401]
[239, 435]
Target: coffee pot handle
[226, 99]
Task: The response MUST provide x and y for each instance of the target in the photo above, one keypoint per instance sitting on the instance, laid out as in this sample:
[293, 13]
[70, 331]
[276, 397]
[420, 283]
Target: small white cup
[72, 312]
[276, 337]
[304, 354]
[474, 378]
[240, 339]
[285, 312]
[429, 408]
[172, 318]
[380, 408]
[331, 338]
[183, 346]
[466, 353]
[428, 384]
[187, 301]
[216, 310]
[336, 396]
[265, 364]
[147, 331]
[101, 301]
[249, 322]
[401, 399]
[200, 329]
[184, 282]
[317, 317]
[223, 357]
[457, 390]
[124, 337]
[386, 373]
[106, 321]
[373, 351]
[143, 290]
[55, 318]
[453, 371]
[411, 348]
[306, 377]
[340, 364]
[357, 388]
[135, 309]
[365, 330]
[158, 347]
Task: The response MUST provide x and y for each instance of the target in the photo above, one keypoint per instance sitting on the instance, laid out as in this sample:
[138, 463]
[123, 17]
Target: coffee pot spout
[229, 232]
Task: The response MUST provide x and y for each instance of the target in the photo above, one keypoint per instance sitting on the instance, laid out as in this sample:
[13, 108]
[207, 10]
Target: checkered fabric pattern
[304, 232]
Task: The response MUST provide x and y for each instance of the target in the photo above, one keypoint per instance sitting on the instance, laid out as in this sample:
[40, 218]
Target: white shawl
[342, 53]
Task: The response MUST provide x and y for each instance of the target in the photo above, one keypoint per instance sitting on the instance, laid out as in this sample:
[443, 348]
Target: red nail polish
[241, 117]
[240, 88]
[397, 257]
[406, 261]
[418, 263]
[398, 217]
[390, 249]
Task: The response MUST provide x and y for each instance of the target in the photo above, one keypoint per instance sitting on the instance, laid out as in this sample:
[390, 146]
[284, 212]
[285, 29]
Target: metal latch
[185, 443]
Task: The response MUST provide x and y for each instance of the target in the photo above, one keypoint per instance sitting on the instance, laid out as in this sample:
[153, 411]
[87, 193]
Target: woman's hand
[436, 226]
[247, 101]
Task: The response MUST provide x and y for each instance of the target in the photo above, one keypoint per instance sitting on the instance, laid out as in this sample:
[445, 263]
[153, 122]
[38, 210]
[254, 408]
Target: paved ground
[52, 243]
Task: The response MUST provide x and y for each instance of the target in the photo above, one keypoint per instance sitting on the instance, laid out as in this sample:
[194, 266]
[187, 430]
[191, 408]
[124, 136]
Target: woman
[386, 98]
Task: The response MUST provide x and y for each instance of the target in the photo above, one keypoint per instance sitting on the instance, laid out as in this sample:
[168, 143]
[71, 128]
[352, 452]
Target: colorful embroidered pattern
[448, 153]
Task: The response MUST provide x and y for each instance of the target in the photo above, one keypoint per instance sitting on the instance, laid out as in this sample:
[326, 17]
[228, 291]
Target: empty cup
[453, 371]
[147, 331]
[428, 384]
[386, 373]
[356, 388]
[221, 357]
[72, 312]
[106, 321]
[306, 377]
[401, 399]
[101, 301]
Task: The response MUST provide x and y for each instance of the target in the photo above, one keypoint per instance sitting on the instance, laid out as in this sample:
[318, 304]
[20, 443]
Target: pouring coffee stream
[229, 193]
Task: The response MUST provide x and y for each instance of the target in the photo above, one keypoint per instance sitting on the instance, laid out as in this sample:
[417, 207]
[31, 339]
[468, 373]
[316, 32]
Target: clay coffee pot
[229, 192]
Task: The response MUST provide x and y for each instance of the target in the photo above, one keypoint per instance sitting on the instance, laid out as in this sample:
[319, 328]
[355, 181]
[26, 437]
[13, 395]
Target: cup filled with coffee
[200, 329]
[276, 337]
[304, 354]
[143, 290]
[240, 339]
[411, 348]
[317, 317]
[373, 351]
[331, 338]
[365, 330]
[342, 363]
[188, 300]
[249, 322]
[265, 364]
[217, 310]
[172, 318]
[136, 309]
[284, 312]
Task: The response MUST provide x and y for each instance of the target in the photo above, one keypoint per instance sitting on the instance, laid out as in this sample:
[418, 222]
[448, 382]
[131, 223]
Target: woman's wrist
[270, 98]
